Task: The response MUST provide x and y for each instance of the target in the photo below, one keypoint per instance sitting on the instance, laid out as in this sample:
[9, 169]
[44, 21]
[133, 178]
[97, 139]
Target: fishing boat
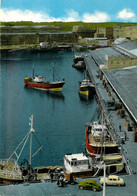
[78, 57]
[80, 165]
[77, 166]
[12, 169]
[79, 65]
[86, 88]
[39, 82]
[98, 140]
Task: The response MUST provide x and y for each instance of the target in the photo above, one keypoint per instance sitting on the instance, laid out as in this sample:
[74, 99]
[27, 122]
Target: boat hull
[7, 181]
[95, 150]
[86, 92]
[55, 86]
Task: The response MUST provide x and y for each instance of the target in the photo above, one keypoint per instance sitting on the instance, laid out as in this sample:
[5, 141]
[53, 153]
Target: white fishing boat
[77, 165]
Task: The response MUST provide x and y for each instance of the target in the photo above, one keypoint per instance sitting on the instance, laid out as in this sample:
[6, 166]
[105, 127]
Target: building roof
[120, 40]
[130, 47]
[78, 157]
[99, 54]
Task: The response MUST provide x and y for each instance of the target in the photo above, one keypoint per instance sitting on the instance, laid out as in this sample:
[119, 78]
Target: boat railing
[10, 169]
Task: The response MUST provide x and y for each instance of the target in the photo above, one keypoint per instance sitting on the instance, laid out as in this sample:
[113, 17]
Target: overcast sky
[69, 10]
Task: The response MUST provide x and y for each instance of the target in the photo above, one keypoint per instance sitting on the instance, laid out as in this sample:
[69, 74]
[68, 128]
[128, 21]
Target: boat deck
[96, 141]
[8, 172]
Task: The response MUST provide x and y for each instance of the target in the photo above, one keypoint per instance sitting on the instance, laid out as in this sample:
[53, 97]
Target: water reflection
[42, 93]
[56, 95]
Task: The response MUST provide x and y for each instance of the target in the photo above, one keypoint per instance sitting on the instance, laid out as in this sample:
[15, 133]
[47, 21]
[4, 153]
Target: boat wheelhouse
[77, 165]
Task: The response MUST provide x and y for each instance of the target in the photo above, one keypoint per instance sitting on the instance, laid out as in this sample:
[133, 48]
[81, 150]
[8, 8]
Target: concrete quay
[118, 85]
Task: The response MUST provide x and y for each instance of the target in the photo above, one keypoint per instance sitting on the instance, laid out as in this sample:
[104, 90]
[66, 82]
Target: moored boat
[76, 166]
[98, 140]
[86, 88]
[11, 172]
[80, 165]
[64, 47]
[39, 82]
[78, 57]
[79, 65]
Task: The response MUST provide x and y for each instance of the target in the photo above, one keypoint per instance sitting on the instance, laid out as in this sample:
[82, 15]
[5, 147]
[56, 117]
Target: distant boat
[79, 65]
[98, 141]
[78, 57]
[64, 47]
[86, 88]
[39, 82]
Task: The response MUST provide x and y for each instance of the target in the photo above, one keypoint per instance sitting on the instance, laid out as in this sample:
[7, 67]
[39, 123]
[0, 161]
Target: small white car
[112, 180]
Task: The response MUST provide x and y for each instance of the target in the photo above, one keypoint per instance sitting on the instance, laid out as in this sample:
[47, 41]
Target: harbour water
[59, 120]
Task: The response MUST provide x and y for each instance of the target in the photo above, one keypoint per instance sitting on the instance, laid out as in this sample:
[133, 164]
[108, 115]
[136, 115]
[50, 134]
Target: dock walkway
[124, 82]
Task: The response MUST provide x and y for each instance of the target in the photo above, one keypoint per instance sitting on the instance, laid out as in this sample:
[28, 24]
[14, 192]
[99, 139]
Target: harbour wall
[35, 39]
[18, 36]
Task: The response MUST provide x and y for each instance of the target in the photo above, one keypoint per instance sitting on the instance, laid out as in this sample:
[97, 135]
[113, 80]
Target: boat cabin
[76, 163]
[39, 79]
[97, 130]
[86, 83]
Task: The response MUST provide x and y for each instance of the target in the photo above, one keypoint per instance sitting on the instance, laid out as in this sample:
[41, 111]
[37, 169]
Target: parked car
[89, 184]
[112, 180]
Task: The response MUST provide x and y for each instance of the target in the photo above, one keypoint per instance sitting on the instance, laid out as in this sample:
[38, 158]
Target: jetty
[114, 74]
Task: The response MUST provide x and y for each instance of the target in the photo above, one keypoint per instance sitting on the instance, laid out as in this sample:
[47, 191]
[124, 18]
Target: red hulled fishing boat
[39, 82]
[98, 141]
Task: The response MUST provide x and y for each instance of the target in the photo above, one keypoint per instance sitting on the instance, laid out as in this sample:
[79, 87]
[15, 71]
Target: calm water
[59, 121]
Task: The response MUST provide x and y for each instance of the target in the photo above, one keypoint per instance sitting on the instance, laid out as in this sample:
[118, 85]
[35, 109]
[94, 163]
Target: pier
[117, 86]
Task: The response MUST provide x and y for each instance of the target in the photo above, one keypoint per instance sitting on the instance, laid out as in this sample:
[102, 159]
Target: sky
[69, 10]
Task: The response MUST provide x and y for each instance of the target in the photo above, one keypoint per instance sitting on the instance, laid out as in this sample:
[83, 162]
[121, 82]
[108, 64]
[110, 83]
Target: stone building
[129, 32]
[80, 31]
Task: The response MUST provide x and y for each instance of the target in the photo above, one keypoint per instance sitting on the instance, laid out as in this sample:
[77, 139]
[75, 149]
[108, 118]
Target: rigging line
[37, 139]
[36, 152]
[18, 147]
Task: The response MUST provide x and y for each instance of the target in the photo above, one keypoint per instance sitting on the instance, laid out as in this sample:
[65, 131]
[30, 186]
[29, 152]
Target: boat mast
[53, 75]
[31, 131]
[33, 73]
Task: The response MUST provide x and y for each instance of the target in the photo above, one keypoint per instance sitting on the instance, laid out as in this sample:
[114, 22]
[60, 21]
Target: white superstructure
[76, 163]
